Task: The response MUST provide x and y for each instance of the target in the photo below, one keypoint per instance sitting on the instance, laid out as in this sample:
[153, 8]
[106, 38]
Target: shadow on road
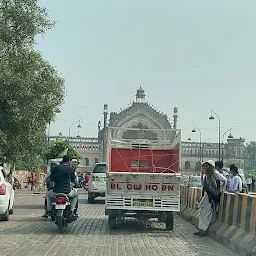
[28, 206]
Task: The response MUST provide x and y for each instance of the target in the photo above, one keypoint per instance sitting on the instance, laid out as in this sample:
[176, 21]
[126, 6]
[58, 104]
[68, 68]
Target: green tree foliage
[251, 174]
[55, 149]
[32, 91]
[250, 156]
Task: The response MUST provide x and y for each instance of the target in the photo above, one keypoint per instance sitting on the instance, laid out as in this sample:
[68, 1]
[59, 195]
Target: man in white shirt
[211, 195]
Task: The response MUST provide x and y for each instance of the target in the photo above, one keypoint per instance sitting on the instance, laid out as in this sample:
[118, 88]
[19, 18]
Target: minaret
[175, 118]
[99, 126]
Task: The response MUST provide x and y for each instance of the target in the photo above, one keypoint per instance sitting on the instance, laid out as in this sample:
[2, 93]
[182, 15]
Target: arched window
[96, 160]
[187, 165]
[86, 161]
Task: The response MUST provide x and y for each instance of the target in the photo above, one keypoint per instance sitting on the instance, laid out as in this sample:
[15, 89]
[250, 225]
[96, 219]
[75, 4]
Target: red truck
[143, 179]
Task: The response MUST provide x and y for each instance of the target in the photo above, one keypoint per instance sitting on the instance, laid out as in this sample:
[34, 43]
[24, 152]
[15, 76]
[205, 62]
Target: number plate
[60, 207]
[143, 204]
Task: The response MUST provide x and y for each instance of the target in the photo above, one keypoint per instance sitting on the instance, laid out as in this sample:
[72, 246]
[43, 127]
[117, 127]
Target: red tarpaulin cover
[149, 160]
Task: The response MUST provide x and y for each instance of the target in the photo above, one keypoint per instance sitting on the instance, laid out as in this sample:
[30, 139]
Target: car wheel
[6, 216]
[11, 211]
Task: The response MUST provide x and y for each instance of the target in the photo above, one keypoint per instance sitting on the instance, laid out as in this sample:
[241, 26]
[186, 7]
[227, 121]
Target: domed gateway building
[142, 115]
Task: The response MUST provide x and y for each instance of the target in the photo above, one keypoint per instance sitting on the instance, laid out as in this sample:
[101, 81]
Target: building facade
[141, 114]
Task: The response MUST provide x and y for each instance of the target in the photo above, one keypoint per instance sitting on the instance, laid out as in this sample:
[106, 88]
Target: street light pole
[212, 118]
[203, 148]
[69, 130]
[230, 136]
[200, 142]
[197, 154]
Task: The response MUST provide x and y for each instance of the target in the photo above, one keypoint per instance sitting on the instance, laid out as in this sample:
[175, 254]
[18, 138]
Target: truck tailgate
[138, 191]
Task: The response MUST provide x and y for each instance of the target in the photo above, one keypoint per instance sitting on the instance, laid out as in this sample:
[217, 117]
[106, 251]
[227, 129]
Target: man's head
[208, 166]
[53, 165]
[219, 165]
[233, 169]
[67, 159]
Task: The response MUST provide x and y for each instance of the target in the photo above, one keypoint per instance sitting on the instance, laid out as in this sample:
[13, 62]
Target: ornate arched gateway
[140, 115]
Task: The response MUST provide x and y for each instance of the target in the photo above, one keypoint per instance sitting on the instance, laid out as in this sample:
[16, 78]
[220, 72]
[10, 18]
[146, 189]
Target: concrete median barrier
[235, 226]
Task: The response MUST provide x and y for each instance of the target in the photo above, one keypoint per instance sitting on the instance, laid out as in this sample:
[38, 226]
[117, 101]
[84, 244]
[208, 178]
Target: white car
[97, 182]
[6, 197]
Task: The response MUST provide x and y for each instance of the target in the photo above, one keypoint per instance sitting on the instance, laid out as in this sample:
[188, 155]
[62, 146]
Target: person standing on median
[236, 184]
[218, 167]
[211, 198]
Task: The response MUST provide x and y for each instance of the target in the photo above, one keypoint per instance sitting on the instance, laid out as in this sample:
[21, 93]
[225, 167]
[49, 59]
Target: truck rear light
[61, 200]
[3, 189]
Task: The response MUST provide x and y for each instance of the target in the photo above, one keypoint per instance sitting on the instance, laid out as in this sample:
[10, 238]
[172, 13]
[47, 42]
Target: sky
[197, 55]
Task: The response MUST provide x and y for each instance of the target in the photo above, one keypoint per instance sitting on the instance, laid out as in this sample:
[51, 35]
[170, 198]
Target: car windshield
[196, 179]
[100, 168]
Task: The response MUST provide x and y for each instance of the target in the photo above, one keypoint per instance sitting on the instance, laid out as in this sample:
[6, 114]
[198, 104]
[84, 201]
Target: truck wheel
[112, 221]
[169, 221]
[90, 199]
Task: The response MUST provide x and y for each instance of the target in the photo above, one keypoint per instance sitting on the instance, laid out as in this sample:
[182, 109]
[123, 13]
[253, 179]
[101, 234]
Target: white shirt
[236, 184]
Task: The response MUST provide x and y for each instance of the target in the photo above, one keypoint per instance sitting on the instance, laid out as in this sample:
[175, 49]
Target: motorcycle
[16, 184]
[61, 212]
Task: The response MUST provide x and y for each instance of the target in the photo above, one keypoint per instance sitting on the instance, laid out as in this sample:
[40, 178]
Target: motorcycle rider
[62, 175]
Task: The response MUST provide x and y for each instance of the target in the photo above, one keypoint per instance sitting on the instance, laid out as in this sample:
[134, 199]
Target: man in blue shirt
[63, 175]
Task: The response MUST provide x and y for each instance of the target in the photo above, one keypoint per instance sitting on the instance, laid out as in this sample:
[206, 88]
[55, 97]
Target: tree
[32, 91]
[250, 156]
[54, 150]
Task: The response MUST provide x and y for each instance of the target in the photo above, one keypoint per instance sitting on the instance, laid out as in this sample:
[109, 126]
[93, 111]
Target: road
[28, 234]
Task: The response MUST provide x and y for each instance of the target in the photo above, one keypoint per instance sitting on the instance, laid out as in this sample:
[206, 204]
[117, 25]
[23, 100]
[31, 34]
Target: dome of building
[140, 95]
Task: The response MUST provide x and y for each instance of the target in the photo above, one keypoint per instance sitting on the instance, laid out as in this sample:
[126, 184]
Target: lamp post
[230, 136]
[197, 153]
[78, 126]
[200, 142]
[212, 118]
[105, 135]
[203, 149]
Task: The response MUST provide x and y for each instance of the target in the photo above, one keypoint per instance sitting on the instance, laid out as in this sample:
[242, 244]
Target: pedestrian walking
[249, 183]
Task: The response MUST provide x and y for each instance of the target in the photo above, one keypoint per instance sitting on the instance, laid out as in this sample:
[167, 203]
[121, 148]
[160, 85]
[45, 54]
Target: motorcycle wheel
[60, 223]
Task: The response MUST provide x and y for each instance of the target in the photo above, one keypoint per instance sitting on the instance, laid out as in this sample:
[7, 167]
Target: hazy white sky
[194, 54]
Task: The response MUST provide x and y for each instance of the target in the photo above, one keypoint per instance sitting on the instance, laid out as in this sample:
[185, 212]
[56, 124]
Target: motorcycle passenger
[49, 185]
[62, 175]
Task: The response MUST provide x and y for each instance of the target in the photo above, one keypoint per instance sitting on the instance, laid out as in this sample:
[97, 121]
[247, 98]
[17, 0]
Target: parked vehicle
[143, 179]
[61, 212]
[6, 197]
[195, 181]
[97, 182]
